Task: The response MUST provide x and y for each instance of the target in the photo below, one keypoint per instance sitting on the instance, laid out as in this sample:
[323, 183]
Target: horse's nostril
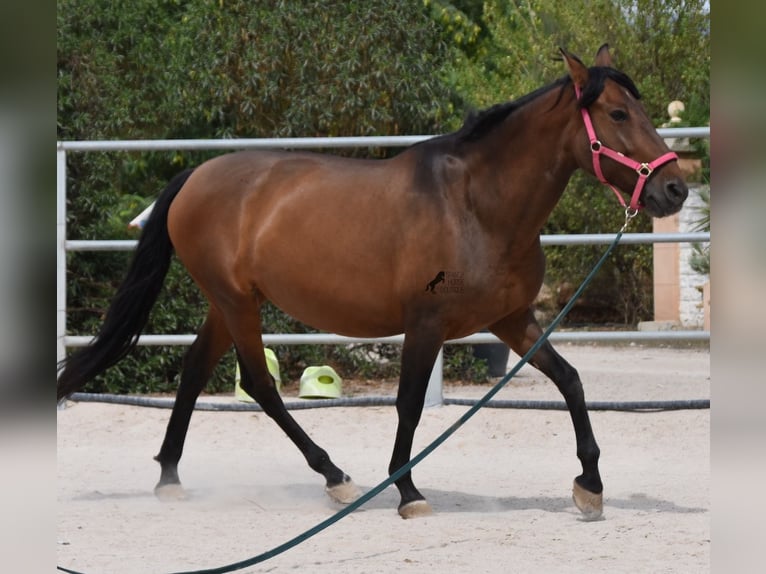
[677, 190]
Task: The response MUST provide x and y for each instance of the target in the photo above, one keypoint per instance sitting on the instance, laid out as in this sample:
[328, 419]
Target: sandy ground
[500, 486]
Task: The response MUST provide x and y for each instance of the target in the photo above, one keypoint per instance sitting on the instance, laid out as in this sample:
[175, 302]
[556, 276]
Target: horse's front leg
[522, 331]
[419, 353]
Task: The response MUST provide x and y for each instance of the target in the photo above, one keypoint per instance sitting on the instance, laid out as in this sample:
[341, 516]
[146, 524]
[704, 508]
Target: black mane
[478, 124]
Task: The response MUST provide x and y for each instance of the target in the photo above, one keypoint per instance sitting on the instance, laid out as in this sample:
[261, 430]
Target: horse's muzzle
[665, 197]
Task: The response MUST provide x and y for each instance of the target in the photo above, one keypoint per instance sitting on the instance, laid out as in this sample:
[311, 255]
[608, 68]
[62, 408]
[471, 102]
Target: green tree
[664, 45]
[143, 69]
[149, 69]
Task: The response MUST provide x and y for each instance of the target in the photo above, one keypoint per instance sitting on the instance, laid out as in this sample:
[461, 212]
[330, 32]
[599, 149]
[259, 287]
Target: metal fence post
[60, 254]
[435, 391]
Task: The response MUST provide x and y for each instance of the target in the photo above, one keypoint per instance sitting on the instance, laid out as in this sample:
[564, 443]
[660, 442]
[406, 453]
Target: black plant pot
[496, 355]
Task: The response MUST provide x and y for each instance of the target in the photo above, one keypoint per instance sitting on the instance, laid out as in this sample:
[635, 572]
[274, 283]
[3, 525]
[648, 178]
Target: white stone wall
[691, 310]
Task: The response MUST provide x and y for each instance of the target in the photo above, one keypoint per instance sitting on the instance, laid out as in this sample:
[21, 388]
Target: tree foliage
[148, 69]
[664, 45]
[163, 69]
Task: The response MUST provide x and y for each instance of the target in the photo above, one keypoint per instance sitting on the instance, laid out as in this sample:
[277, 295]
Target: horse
[252, 226]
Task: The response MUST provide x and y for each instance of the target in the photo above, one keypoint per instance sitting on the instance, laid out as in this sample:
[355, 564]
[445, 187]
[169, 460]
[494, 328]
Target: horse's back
[344, 245]
[316, 234]
[245, 189]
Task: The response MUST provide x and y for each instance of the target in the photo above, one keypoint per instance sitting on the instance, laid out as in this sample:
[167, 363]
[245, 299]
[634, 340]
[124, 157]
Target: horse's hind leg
[212, 342]
[259, 384]
[520, 333]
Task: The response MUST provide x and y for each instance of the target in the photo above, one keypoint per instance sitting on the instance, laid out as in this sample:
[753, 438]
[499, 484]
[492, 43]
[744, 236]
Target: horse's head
[617, 142]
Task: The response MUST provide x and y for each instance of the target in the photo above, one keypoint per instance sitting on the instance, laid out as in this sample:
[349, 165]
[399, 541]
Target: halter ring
[644, 169]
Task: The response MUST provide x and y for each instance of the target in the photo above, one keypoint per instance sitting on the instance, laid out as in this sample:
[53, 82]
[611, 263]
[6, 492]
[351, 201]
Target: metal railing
[434, 395]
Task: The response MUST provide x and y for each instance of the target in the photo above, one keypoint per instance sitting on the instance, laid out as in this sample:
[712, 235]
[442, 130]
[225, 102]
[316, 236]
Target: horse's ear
[603, 57]
[577, 70]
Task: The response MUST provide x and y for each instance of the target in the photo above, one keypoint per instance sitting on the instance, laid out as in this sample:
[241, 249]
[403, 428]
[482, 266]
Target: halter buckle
[644, 169]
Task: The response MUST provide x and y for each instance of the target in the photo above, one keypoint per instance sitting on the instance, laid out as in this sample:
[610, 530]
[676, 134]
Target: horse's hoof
[170, 492]
[345, 493]
[415, 509]
[589, 503]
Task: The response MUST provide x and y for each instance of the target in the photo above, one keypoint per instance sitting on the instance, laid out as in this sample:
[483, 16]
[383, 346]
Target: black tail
[129, 310]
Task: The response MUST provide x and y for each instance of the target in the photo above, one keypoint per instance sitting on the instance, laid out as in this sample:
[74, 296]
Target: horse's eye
[619, 115]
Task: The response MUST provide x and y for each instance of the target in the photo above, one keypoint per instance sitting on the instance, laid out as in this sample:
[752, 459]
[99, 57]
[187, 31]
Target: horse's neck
[530, 162]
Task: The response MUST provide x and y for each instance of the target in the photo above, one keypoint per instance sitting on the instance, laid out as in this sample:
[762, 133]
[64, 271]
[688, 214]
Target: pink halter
[644, 170]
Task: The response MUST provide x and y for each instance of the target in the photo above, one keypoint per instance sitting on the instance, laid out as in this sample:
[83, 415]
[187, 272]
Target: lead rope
[372, 493]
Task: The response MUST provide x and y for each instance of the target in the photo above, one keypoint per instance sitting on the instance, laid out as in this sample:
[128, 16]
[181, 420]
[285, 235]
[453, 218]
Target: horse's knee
[564, 376]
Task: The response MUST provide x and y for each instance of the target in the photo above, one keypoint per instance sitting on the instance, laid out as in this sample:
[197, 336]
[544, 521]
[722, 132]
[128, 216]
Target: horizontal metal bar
[268, 339]
[598, 336]
[294, 143]
[563, 239]
[476, 338]
[690, 132]
[244, 143]
[101, 244]
[627, 238]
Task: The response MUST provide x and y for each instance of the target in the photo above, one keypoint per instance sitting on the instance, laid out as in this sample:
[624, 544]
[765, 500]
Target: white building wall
[691, 312]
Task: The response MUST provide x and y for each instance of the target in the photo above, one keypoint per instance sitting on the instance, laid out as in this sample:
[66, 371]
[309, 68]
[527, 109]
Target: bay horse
[353, 246]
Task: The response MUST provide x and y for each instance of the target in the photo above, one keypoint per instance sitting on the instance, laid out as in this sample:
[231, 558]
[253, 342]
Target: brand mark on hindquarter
[446, 282]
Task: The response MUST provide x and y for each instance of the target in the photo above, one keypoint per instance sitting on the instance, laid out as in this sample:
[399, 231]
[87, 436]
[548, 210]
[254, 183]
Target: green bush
[622, 291]
[143, 69]
[161, 70]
